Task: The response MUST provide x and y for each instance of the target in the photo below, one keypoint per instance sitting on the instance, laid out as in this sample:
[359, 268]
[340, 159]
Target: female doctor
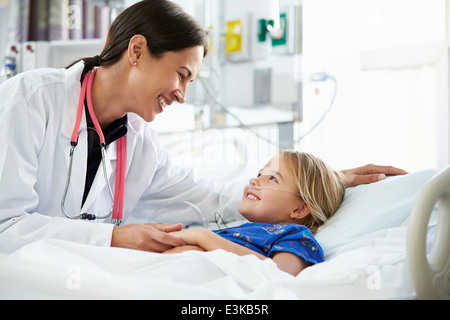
[74, 141]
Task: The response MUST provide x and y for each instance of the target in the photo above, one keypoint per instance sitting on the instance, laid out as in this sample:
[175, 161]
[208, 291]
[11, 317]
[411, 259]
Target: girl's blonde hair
[321, 187]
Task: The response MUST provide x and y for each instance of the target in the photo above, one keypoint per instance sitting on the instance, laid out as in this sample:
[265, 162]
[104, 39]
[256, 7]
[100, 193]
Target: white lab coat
[37, 116]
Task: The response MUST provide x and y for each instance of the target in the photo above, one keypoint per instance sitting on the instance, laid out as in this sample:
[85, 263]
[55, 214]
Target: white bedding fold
[56, 269]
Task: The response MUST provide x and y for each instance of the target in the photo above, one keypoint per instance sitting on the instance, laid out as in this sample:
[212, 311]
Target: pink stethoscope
[117, 200]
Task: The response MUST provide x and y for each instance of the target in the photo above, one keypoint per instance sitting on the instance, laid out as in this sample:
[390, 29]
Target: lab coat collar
[73, 78]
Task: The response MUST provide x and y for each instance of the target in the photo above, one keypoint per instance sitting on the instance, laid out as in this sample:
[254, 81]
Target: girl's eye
[182, 76]
[272, 178]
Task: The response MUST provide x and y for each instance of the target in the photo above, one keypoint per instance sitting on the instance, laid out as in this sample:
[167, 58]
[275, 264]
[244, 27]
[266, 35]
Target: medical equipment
[9, 68]
[321, 77]
[315, 77]
[250, 186]
[117, 199]
[170, 212]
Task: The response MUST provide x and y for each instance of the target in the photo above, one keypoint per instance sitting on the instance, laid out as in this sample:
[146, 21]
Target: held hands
[369, 174]
[191, 239]
[161, 238]
[147, 237]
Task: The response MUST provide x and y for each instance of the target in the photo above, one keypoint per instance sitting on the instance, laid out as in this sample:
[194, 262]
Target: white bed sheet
[53, 269]
[368, 262]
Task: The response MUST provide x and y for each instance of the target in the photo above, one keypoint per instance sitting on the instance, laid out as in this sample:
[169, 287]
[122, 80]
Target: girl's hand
[190, 236]
[182, 249]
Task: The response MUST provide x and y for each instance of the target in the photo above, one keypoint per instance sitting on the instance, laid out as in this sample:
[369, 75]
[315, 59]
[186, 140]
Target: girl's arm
[289, 262]
[209, 241]
[182, 249]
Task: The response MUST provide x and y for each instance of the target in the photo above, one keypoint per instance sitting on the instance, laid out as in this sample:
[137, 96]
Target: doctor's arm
[181, 187]
[369, 174]
[28, 130]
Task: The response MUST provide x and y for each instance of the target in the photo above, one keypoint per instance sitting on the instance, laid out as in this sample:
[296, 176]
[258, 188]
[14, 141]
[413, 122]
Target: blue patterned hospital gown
[268, 238]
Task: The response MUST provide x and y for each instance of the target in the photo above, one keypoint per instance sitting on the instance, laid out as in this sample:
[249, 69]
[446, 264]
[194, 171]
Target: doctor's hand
[147, 237]
[369, 174]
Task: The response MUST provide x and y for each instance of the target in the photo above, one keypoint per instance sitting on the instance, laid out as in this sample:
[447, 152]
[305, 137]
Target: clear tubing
[250, 186]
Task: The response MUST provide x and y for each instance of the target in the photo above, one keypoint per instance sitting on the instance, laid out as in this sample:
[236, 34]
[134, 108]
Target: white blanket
[364, 242]
[53, 269]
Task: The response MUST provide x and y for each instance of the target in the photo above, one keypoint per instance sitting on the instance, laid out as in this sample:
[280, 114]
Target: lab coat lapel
[72, 98]
[99, 184]
[78, 175]
[79, 168]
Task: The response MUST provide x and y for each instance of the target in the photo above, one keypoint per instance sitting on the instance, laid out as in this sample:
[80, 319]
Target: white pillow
[368, 210]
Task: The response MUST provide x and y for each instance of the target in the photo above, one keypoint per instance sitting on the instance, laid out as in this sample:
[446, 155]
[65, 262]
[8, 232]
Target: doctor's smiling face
[157, 82]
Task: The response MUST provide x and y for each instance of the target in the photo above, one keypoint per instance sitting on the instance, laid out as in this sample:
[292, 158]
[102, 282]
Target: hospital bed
[388, 240]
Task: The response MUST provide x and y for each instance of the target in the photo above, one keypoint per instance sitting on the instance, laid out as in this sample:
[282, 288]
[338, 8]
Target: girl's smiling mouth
[251, 196]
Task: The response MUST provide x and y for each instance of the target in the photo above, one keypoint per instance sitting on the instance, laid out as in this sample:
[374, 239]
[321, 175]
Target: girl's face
[269, 205]
[158, 82]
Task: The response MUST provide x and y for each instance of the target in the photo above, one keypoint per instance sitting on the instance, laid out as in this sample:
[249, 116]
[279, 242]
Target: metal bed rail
[430, 273]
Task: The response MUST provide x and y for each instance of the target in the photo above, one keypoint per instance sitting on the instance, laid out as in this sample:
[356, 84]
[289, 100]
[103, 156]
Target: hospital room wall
[394, 114]
[392, 73]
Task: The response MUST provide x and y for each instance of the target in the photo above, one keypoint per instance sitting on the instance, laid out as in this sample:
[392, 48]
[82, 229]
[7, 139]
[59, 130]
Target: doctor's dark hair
[163, 23]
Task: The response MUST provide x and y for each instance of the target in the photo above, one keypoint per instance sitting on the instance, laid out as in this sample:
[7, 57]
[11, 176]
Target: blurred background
[351, 81]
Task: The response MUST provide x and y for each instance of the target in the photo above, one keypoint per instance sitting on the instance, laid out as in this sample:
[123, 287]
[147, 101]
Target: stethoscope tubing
[116, 200]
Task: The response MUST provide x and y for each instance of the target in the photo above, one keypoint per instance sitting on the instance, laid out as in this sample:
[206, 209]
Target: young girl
[292, 196]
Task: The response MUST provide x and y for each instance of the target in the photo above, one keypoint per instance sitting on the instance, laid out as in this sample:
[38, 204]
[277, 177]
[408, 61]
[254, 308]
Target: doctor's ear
[136, 48]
